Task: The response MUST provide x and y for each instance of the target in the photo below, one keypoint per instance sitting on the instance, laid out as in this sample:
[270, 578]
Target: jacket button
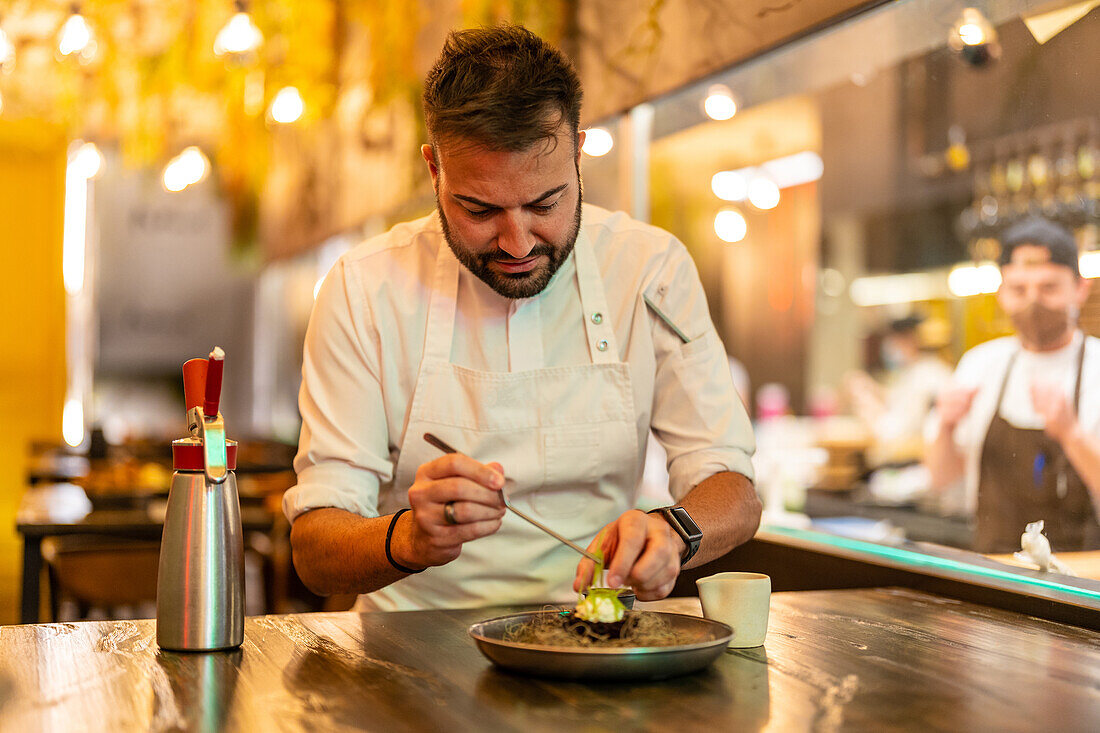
[602, 344]
[597, 318]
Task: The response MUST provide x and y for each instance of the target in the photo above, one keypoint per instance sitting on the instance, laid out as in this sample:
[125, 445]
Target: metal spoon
[448, 449]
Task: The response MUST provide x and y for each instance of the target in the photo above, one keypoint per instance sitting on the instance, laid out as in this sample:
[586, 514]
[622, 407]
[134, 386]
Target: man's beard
[514, 284]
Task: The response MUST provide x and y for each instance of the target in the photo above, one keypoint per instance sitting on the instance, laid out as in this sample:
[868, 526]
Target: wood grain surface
[878, 659]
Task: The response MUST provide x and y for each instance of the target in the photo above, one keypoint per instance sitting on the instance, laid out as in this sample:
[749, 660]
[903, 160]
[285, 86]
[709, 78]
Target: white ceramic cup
[740, 600]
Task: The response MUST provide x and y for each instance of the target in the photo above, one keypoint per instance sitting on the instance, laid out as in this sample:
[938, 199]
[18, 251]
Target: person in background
[1021, 422]
[541, 337]
[895, 412]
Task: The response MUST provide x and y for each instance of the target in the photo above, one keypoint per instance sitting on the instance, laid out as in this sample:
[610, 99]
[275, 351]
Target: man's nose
[513, 236]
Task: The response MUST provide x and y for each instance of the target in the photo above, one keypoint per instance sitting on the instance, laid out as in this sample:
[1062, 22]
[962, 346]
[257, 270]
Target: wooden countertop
[872, 659]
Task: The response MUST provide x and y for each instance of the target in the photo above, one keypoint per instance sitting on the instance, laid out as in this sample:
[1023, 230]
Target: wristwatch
[683, 525]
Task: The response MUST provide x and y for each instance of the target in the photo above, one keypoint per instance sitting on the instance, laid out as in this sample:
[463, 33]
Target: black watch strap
[683, 525]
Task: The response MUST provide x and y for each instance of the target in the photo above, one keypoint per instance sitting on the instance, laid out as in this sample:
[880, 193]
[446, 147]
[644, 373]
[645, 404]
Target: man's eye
[543, 208]
[479, 213]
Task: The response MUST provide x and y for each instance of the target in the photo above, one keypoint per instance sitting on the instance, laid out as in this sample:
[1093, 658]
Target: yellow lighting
[763, 193]
[729, 186]
[76, 38]
[890, 289]
[287, 106]
[730, 225]
[971, 34]
[72, 422]
[719, 104]
[597, 142]
[1090, 264]
[7, 52]
[87, 161]
[187, 168]
[240, 35]
[965, 280]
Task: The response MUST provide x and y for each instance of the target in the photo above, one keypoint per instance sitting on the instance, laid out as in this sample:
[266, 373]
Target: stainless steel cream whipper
[200, 585]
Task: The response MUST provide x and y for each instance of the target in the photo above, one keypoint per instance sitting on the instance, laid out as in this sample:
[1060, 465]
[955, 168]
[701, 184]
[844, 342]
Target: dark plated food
[690, 645]
[574, 624]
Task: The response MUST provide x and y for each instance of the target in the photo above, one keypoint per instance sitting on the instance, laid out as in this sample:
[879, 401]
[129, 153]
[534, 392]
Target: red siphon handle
[194, 382]
[215, 364]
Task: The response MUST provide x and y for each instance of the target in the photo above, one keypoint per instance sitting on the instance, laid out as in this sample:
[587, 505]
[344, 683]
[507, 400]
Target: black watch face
[686, 521]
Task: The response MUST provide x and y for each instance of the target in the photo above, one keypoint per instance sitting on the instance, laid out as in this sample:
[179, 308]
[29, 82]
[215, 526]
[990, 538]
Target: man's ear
[428, 152]
[580, 144]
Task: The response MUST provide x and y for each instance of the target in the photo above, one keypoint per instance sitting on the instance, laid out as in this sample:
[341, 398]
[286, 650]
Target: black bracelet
[389, 535]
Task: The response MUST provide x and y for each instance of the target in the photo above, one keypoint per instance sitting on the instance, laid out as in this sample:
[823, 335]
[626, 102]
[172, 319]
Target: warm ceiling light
[790, 170]
[730, 225]
[76, 37]
[87, 161]
[964, 280]
[187, 168]
[971, 34]
[238, 36]
[729, 186]
[719, 104]
[763, 193]
[597, 142]
[287, 106]
[1090, 264]
[72, 422]
[7, 52]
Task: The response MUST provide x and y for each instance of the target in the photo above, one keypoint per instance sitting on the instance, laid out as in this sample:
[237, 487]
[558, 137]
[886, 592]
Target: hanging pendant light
[76, 38]
[239, 35]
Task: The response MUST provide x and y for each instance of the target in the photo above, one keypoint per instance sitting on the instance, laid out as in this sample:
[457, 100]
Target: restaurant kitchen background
[175, 175]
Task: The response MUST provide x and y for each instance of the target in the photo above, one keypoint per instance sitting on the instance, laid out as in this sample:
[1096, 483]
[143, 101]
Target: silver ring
[449, 513]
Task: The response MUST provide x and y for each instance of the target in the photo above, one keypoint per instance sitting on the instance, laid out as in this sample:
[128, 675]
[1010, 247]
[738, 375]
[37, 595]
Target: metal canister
[200, 584]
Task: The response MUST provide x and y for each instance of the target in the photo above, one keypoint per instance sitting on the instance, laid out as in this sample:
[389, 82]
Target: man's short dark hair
[501, 87]
[1039, 232]
[905, 326]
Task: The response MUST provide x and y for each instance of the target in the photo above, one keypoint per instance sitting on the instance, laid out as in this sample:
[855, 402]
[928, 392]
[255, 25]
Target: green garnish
[600, 604]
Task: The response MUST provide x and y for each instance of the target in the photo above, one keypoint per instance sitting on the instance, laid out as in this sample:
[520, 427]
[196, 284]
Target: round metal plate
[706, 641]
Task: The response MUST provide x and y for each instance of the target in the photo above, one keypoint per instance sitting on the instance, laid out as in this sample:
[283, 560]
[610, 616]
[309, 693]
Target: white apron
[566, 437]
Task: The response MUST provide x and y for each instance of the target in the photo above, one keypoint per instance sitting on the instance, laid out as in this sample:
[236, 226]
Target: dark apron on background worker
[1025, 476]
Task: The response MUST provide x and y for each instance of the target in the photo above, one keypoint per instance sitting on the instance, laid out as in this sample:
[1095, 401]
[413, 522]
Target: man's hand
[640, 550]
[952, 404]
[1050, 403]
[472, 489]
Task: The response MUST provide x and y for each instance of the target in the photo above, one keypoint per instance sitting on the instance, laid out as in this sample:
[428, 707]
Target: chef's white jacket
[366, 337]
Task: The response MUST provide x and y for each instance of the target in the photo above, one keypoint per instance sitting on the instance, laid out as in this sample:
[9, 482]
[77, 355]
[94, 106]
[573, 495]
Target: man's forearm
[727, 510]
[943, 460]
[336, 551]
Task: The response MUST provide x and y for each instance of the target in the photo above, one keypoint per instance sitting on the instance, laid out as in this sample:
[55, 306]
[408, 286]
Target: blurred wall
[32, 321]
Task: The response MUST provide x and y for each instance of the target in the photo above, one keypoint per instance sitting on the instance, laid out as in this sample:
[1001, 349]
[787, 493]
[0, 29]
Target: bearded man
[540, 337]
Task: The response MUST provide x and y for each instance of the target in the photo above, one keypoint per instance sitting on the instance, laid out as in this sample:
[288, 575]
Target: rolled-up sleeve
[697, 415]
[343, 453]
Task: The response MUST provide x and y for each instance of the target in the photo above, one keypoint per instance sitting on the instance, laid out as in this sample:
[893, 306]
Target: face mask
[1043, 327]
[892, 358]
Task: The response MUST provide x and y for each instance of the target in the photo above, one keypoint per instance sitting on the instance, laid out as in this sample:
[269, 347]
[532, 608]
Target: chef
[1021, 424]
[541, 337]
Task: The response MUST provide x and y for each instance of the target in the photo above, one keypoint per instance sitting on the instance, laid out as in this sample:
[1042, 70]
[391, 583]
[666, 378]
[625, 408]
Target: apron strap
[1080, 368]
[441, 306]
[600, 334]
[1004, 382]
